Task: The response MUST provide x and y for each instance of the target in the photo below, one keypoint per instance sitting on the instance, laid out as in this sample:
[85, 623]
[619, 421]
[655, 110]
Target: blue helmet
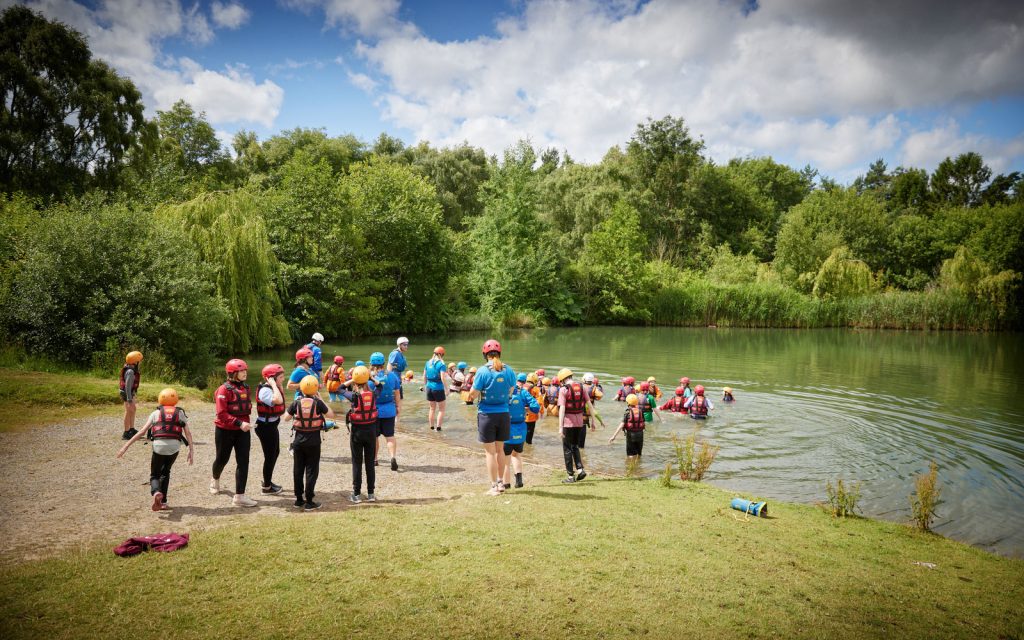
[521, 377]
[360, 363]
[462, 365]
[377, 358]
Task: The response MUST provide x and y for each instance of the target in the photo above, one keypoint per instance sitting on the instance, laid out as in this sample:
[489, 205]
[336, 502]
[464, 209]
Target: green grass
[32, 398]
[614, 558]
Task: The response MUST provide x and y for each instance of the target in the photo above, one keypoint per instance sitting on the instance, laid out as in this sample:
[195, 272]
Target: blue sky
[830, 84]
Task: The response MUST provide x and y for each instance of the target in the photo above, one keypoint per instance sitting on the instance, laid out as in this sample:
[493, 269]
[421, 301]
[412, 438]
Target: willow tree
[228, 231]
[843, 276]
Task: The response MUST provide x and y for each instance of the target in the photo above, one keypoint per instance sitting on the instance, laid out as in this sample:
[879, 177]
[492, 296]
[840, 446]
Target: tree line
[119, 230]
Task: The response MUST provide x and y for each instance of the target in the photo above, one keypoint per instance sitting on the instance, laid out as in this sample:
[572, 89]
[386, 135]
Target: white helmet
[588, 377]
[319, 337]
[402, 340]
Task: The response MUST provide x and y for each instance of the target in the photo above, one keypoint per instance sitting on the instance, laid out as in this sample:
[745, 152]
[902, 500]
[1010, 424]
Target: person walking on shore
[310, 414]
[170, 429]
[269, 409]
[386, 384]
[231, 433]
[362, 420]
[492, 385]
[633, 424]
[129, 385]
[519, 403]
[573, 402]
[317, 366]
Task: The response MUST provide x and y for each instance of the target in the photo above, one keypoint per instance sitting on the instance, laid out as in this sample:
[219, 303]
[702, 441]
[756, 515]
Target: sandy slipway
[64, 489]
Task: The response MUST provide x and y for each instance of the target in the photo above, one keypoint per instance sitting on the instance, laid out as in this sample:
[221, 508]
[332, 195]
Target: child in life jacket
[698, 405]
[551, 389]
[684, 382]
[334, 378]
[633, 424]
[170, 429]
[676, 403]
[647, 403]
[467, 387]
[309, 415]
[655, 390]
[532, 416]
[521, 404]
[457, 376]
[129, 385]
[595, 393]
[362, 421]
[625, 389]
[727, 395]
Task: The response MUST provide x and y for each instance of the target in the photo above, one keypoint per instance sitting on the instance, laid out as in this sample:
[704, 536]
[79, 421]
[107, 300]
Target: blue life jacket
[516, 407]
[498, 386]
[387, 394]
[434, 370]
[517, 433]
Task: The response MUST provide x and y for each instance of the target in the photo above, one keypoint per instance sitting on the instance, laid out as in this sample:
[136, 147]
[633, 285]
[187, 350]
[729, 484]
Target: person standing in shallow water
[492, 385]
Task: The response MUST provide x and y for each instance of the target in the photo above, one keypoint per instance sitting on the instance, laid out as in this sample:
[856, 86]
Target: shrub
[632, 467]
[665, 479]
[925, 501]
[842, 500]
[694, 456]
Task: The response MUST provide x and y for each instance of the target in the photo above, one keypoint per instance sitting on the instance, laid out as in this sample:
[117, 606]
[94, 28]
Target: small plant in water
[665, 479]
[632, 466]
[926, 500]
[694, 456]
[842, 500]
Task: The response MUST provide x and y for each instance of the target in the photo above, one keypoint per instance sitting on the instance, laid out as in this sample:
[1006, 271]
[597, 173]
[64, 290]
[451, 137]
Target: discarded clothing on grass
[159, 542]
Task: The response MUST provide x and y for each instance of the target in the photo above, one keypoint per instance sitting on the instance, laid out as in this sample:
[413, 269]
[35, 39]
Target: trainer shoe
[431, 427]
[242, 500]
[127, 435]
[519, 483]
[582, 474]
[371, 498]
[214, 486]
[355, 498]
[507, 486]
[273, 488]
[394, 464]
[158, 499]
[299, 502]
[494, 491]
[568, 480]
[439, 428]
[311, 506]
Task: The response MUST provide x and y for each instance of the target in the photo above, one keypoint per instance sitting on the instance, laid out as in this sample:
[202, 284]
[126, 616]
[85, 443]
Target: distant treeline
[118, 231]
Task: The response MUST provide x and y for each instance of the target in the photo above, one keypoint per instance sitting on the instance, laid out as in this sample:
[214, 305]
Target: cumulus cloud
[830, 82]
[128, 33]
[377, 18]
[927, 148]
[228, 15]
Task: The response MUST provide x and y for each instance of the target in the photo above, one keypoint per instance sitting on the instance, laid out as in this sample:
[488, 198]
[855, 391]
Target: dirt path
[64, 488]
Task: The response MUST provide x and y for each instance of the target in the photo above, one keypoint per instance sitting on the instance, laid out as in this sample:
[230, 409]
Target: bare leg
[129, 415]
[392, 446]
[440, 414]
[430, 414]
[491, 450]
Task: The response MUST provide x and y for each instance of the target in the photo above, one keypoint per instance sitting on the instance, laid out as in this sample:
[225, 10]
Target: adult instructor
[317, 366]
[492, 386]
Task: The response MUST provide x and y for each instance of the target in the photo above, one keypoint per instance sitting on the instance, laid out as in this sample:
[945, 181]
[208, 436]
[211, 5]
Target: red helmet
[684, 381]
[629, 380]
[303, 353]
[699, 389]
[680, 391]
[491, 345]
[540, 373]
[339, 359]
[645, 386]
[272, 370]
[235, 365]
[440, 350]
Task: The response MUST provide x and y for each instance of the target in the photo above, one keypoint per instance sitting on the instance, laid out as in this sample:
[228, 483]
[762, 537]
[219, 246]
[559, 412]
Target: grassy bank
[609, 558]
[32, 398]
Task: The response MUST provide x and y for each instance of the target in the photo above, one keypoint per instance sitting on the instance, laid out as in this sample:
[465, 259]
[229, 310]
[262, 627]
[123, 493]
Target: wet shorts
[509, 448]
[634, 443]
[493, 427]
[386, 427]
[436, 395]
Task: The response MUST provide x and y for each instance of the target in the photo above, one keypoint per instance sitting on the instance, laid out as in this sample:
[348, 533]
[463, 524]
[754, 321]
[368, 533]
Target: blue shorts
[386, 427]
[493, 427]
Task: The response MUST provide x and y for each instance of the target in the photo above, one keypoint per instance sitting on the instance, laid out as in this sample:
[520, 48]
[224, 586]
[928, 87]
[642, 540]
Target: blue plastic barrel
[747, 506]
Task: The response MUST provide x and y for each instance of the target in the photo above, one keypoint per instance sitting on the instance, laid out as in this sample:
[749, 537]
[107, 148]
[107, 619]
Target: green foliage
[727, 268]
[229, 235]
[187, 138]
[694, 456]
[665, 479]
[925, 500]
[959, 182]
[67, 121]
[457, 175]
[842, 500]
[611, 274]
[843, 276]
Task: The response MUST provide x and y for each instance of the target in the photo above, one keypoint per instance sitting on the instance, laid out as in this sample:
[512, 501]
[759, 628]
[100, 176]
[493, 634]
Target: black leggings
[160, 473]
[307, 463]
[571, 449]
[226, 440]
[530, 426]
[363, 439]
[270, 440]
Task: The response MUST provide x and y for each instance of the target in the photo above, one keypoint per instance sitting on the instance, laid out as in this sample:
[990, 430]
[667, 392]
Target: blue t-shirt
[397, 361]
[388, 383]
[318, 366]
[432, 371]
[494, 387]
[297, 377]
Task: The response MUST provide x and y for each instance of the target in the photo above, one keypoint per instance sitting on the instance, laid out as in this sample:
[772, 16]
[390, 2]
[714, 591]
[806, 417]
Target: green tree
[456, 174]
[959, 182]
[66, 121]
[843, 276]
[612, 277]
[188, 139]
[339, 152]
[908, 189]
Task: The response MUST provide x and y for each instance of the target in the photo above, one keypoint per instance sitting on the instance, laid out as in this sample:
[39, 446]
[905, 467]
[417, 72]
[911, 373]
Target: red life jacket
[333, 373]
[699, 409]
[307, 415]
[365, 410]
[135, 381]
[623, 391]
[239, 403]
[575, 399]
[634, 419]
[468, 382]
[643, 401]
[677, 404]
[170, 425]
[265, 411]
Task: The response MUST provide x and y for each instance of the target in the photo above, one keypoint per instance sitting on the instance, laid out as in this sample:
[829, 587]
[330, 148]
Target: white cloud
[128, 33]
[362, 81]
[228, 15]
[830, 84]
[372, 18]
[930, 147]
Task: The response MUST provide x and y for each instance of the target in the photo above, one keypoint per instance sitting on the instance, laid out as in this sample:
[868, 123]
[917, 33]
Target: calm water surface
[811, 405]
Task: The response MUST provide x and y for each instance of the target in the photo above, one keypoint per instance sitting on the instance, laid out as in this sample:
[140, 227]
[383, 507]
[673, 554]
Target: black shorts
[386, 427]
[124, 396]
[493, 427]
[509, 448]
[634, 443]
[436, 395]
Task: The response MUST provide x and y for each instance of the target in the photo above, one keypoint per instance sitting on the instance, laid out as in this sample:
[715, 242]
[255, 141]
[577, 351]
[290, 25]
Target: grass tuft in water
[925, 501]
[842, 500]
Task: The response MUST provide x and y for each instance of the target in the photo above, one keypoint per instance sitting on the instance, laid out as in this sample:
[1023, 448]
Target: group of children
[374, 394]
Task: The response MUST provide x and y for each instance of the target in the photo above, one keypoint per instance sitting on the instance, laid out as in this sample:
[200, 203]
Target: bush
[154, 367]
[842, 501]
[665, 479]
[694, 456]
[926, 499]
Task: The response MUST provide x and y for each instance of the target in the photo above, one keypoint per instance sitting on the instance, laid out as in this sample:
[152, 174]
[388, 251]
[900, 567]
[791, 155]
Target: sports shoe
[158, 500]
[394, 464]
[507, 486]
[439, 428]
[273, 488]
[432, 427]
[519, 483]
[311, 506]
[214, 486]
[355, 498]
[568, 480]
[582, 474]
[299, 502]
[494, 491]
[242, 500]
[127, 435]
[371, 498]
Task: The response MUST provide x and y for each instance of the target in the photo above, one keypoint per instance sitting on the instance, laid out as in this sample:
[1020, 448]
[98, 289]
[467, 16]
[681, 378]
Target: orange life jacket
[634, 419]
[307, 415]
[364, 410]
[170, 425]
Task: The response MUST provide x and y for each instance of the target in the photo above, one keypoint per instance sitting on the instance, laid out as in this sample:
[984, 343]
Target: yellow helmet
[360, 374]
[531, 377]
[409, 375]
[133, 357]
[472, 369]
[563, 374]
[651, 379]
[168, 397]
[727, 389]
[309, 385]
[546, 381]
[632, 400]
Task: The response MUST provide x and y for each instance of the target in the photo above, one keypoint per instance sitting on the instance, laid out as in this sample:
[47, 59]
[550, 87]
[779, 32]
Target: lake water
[811, 406]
